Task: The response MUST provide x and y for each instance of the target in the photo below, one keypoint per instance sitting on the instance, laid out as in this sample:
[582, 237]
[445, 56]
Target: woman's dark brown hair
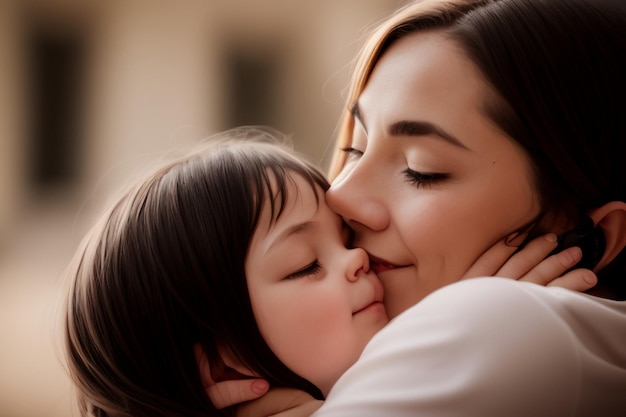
[164, 270]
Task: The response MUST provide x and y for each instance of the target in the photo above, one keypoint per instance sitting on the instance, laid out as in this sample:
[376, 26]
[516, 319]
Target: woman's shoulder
[509, 331]
[491, 346]
[501, 304]
[487, 345]
[483, 296]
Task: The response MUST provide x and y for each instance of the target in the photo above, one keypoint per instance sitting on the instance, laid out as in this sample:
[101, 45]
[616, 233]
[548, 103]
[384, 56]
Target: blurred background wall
[92, 90]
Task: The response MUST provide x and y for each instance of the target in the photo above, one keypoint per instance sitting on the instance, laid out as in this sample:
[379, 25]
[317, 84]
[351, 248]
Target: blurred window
[56, 68]
[253, 87]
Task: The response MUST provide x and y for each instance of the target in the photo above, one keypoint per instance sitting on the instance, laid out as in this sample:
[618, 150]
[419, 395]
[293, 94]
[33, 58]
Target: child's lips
[371, 306]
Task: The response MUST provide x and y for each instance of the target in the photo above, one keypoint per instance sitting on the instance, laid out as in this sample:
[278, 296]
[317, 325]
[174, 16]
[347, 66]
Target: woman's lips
[380, 265]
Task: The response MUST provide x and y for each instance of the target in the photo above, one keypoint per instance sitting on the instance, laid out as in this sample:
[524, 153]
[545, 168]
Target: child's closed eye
[311, 269]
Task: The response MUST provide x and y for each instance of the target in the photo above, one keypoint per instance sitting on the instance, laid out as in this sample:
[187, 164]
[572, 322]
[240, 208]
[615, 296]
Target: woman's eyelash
[423, 179]
[352, 151]
[311, 269]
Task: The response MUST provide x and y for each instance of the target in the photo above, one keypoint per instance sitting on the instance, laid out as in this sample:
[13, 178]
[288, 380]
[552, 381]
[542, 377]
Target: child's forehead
[291, 190]
[296, 206]
[295, 184]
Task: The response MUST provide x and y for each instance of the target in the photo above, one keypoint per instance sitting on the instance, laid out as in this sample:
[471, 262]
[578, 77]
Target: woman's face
[316, 302]
[431, 182]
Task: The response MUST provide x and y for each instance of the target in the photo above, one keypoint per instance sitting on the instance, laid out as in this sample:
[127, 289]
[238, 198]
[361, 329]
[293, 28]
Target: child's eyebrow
[288, 232]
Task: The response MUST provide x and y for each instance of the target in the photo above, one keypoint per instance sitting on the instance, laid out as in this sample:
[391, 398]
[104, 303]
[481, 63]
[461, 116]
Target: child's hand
[280, 402]
[232, 392]
[227, 392]
[250, 397]
[533, 264]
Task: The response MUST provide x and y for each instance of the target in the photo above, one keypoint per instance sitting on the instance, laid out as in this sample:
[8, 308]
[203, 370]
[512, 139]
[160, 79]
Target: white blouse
[492, 347]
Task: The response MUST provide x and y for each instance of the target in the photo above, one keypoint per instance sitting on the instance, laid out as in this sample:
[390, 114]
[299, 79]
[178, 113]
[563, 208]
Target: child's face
[316, 302]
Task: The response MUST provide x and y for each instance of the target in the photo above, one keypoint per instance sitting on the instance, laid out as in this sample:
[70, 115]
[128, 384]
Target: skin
[469, 185]
[317, 303]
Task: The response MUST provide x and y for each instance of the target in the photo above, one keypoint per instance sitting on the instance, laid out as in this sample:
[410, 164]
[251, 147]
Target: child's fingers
[576, 280]
[490, 261]
[553, 266]
[551, 271]
[236, 391]
[529, 257]
[280, 401]
[533, 263]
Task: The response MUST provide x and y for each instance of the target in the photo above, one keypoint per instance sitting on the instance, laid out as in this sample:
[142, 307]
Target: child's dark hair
[164, 270]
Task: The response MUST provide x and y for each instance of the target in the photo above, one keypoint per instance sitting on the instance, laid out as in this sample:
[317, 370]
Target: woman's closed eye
[353, 153]
[423, 179]
[311, 269]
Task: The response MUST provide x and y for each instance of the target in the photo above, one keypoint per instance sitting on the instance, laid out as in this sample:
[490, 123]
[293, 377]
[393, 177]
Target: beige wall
[154, 80]
[11, 103]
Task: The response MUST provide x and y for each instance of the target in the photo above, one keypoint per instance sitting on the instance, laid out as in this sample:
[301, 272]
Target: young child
[230, 253]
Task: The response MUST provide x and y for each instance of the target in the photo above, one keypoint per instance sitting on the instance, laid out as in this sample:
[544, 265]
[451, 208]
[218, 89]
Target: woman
[468, 122]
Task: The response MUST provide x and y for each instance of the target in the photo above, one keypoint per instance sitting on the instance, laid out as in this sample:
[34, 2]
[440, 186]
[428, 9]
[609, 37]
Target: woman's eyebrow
[411, 128]
[421, 128]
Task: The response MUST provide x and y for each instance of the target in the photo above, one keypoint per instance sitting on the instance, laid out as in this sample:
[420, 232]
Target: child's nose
[357, 261]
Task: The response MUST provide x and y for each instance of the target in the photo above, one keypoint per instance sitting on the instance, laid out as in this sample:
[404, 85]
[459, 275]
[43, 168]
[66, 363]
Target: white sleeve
[478, 348]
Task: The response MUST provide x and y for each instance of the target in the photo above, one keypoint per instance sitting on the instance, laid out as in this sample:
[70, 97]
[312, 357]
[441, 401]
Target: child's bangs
[276, 182]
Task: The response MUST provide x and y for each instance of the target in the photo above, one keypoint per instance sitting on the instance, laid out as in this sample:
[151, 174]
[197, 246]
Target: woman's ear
[611, 217]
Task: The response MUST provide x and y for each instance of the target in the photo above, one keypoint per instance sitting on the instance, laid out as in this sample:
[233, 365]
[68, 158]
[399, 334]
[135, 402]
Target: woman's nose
[359, 203]
[357, 262]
